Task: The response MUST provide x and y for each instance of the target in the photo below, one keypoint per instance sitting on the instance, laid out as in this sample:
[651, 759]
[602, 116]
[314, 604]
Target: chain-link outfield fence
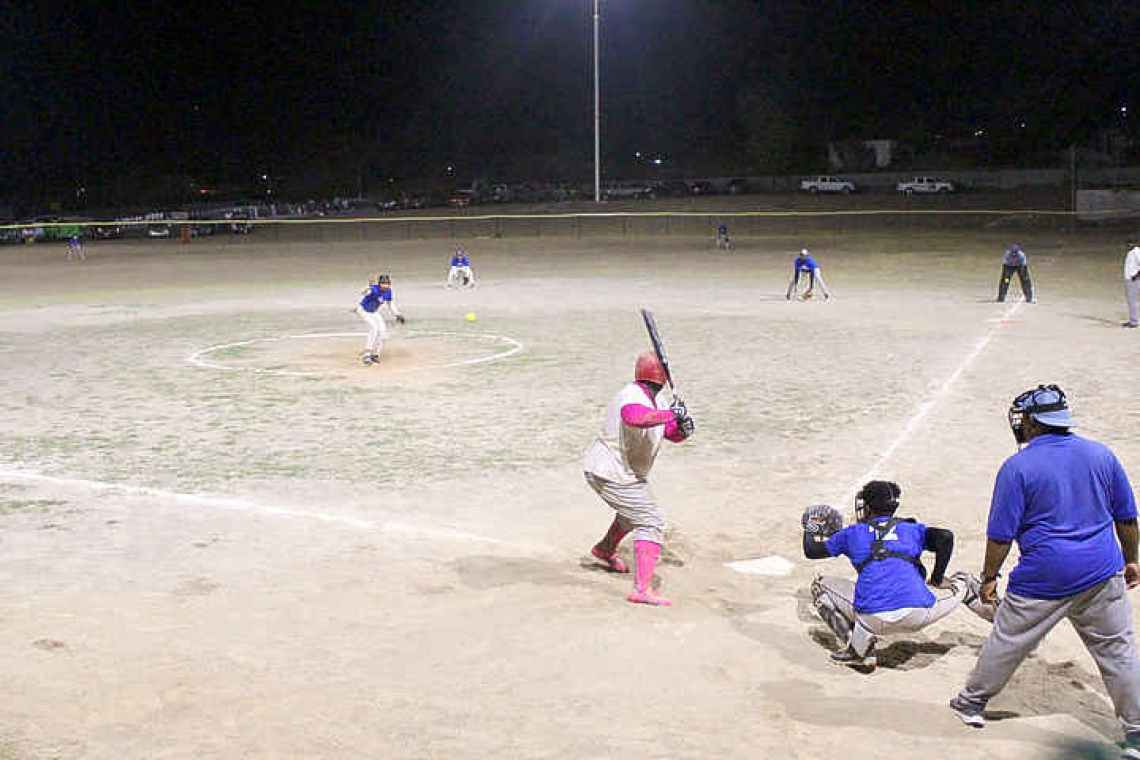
[635, 224]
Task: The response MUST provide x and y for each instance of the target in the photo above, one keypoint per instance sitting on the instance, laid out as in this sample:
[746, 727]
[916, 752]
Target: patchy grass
[11, 506]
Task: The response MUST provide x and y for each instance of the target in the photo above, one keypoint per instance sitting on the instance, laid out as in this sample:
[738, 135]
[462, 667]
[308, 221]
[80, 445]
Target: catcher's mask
[1046, 403]
[877, 498]
[383, 279]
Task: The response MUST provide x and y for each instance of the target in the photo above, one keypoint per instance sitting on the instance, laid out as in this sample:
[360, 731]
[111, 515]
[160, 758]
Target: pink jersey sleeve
[639, 415]
[672, 432]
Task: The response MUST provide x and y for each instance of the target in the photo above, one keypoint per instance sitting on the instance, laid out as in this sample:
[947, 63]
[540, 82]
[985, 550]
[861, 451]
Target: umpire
[1013, 261]
[1069, 506]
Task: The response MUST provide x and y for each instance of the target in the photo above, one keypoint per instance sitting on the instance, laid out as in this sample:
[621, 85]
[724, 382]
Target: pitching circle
[509, 347]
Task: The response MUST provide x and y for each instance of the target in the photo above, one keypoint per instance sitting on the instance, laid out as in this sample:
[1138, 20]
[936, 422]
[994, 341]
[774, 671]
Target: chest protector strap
[879, 550]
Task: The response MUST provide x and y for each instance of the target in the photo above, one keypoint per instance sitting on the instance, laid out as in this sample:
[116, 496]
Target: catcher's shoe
[366, 359]
[848, 656]
[375, 358]
[614, 562]
[648, 596]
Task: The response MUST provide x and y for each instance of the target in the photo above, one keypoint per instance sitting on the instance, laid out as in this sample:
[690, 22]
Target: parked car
[160, 230]
[628, 190]
[925, 185]
[106, 231]
[461, 198]
[701, 187]
[738, 186]
[827, 184]
[671, 188]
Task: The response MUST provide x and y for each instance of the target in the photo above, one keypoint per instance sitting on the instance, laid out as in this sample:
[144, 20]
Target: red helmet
[648, 369]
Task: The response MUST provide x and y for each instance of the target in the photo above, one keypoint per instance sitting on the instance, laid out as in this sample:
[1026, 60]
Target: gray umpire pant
[1132, 293]
[1007, 272]
[1102, 617]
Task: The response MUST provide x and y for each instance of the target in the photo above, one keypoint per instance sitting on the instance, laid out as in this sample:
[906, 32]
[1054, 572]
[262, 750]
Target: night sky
[106, 93]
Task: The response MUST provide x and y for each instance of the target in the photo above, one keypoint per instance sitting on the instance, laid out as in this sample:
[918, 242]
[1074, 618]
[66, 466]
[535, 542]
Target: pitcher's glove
[401, 319]
[822, 520]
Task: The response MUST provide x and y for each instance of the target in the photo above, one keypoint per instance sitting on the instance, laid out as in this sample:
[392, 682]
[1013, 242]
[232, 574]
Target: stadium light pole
[597, 111]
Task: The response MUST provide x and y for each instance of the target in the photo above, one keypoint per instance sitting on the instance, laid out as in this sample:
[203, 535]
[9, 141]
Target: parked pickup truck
[827, 185]
[925, 185]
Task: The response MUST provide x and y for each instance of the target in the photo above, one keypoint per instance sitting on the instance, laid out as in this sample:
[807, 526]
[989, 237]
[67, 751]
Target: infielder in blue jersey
[460, 271]
[806, 266]
[377, 299]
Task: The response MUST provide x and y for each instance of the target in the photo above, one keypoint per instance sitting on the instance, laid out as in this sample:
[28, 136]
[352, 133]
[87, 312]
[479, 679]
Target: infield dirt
[391, 561]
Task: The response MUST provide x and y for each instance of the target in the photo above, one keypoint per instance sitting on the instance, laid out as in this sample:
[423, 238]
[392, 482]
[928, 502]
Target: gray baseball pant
[1132, 293]
[636, 509]
[1102, 617]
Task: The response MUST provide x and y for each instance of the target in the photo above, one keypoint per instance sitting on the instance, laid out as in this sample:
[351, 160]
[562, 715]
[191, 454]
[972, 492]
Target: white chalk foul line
[197, 359]
[925, 407]
[751, 566]
[244, 505]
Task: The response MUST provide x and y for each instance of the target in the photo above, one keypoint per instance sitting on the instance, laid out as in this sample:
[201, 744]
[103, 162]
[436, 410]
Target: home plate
[774, 567]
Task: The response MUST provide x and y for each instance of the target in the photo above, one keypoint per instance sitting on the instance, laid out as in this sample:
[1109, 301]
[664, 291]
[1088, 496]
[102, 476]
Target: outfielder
[890, 594]
[617, 464]
[806, 265]
[377, 297]
[722, 238]
[75, 250]
[460, 271]
[1014, 260]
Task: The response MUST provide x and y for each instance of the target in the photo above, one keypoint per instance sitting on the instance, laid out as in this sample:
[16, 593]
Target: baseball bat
[658, 346]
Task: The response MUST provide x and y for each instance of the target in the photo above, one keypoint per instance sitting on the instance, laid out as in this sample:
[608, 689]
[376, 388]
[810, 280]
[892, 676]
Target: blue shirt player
[75, 249]
[375, 303]
[460, 271]
[1014, 260]
[1069, 506]
[722, 238]
[805, 265]
[891, 593]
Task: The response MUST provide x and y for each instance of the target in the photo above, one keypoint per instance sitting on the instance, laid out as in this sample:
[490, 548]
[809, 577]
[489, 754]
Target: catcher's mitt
[822, 520]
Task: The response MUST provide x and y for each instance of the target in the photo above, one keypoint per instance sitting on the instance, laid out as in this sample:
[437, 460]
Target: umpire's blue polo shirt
[1058, 498]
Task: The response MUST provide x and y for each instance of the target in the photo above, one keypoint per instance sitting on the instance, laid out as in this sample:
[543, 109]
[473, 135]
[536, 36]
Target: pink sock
[609, 544]
[646, 554]
[606, 549]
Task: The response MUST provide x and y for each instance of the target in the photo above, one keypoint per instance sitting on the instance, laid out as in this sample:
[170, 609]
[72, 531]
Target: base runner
[617, 464]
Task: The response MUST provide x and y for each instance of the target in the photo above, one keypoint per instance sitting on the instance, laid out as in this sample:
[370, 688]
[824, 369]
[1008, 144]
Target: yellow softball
[469, 316]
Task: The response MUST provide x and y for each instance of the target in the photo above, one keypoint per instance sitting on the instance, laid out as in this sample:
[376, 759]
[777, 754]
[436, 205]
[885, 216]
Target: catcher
[892, 593]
